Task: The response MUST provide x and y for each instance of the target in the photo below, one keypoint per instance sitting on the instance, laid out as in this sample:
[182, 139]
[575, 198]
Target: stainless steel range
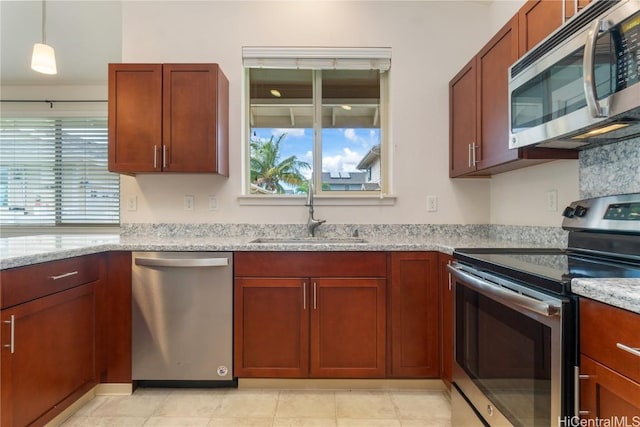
[515, 319]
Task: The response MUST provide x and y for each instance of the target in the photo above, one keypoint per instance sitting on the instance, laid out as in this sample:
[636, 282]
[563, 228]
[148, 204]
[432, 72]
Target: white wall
[520, 197]
[430, 42]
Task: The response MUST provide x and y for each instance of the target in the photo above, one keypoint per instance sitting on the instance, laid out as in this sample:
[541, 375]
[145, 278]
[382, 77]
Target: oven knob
[568, 212]
[580, 211]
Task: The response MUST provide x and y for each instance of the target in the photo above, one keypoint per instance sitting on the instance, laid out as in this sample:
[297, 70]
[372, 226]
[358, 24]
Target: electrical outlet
[132, 203]
[432, 203]
[552, 201]
[213, 203]
[188, 203]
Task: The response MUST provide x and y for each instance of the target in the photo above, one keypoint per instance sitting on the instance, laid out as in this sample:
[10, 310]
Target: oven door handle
[541, 307]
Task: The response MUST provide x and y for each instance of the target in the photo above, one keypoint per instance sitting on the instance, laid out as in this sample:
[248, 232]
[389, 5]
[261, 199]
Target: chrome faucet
[312, 223]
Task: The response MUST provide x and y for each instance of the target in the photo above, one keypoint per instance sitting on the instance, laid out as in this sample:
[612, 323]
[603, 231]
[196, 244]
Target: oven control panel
[619, 213]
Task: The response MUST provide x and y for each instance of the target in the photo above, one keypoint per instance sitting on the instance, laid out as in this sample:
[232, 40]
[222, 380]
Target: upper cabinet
[168, 118]
[479, 112]
[539, 18]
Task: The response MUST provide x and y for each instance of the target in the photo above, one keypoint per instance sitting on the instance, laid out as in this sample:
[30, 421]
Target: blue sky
[342, 149]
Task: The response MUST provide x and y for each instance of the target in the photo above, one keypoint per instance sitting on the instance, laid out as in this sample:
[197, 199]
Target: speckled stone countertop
[622, 293]
[27, 250]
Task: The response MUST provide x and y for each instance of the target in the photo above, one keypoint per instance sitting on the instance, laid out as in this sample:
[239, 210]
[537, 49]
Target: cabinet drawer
[603, 329]
[310, 264]
[18, 285]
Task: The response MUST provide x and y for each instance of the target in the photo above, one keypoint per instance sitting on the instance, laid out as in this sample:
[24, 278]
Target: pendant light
[43, 59]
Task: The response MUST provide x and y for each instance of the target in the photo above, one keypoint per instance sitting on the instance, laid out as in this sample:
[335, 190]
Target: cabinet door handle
[62, 276]
[11, 346]
[164, 156]
[469, 155]
[304, 295]
[449, 262]
[632, 350]
[315, 296]
[474, 160]
[155, 156]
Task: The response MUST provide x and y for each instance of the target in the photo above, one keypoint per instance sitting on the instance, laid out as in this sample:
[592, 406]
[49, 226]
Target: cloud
[343, 162]
[295, 132]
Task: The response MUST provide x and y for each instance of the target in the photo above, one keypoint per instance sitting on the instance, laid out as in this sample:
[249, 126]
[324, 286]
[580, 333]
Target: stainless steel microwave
[580, 85]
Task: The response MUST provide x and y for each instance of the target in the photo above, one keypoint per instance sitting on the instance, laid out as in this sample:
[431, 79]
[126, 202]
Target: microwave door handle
[589, 67]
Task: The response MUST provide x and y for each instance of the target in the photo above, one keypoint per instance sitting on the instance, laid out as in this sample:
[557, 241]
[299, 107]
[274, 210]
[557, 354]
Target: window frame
[317, 59]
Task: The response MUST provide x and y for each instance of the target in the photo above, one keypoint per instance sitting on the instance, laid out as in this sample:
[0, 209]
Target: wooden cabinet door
[446, 316]
[493, 63]
[348, 328]
[135, 118]
[271, 321]
[536, 20]
[414, 315]
[570, 7]
[52, 360]
[462, 121]
[607, 395]
[195, 123]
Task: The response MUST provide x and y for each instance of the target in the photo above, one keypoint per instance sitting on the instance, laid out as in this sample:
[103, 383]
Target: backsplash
[526, 235]
[610, 169]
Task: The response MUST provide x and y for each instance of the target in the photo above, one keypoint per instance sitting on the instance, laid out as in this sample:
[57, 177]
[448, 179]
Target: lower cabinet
[65, 327]
[348, 328]
[414, 324]
[271, 327]
[609, 364]
[48, 355]
[607, 395]
[327, 324]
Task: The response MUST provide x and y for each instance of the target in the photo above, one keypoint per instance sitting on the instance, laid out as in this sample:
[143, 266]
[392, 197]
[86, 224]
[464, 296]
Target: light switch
[132, 203]
[188, 202]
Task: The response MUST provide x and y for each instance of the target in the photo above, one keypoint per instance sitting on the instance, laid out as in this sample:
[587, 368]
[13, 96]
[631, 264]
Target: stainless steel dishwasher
[182, 318]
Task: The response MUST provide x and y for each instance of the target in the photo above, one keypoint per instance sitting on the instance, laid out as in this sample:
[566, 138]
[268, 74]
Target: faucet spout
[312, 223]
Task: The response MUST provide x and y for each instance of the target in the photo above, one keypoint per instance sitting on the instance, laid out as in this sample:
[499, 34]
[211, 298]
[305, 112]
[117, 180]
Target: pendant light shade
[43, 59]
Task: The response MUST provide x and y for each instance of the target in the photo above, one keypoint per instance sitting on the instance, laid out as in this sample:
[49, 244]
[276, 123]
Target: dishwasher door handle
[182, 262]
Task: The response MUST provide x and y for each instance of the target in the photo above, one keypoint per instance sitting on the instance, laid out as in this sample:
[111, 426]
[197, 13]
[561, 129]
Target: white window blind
[378, 58]
[53, 171]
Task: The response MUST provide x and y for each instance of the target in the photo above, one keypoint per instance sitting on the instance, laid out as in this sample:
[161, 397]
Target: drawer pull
[634, 351]
[11, 346]
[583, 412]
[62, 276]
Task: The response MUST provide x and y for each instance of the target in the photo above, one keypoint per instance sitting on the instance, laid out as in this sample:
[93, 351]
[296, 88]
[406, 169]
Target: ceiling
[86, 36]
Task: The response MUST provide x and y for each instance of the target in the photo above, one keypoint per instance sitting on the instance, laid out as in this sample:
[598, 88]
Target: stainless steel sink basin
[308, 240]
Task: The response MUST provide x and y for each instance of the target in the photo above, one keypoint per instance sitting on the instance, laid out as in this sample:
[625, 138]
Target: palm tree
[268, 171]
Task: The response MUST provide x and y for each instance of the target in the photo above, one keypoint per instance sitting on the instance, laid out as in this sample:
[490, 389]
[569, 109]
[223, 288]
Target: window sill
[318, 200]
[32, 230]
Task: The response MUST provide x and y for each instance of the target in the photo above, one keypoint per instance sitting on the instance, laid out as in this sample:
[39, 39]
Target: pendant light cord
[44, 22]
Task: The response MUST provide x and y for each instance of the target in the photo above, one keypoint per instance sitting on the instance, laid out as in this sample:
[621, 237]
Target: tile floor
[272, 408]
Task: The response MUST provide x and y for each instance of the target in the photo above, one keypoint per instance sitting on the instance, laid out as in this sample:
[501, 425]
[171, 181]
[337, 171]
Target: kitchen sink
[308, 240]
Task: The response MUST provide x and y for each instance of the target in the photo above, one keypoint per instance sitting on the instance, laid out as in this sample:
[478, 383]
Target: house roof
[372, 156]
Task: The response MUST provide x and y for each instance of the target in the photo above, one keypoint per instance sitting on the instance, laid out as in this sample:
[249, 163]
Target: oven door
[507, 349]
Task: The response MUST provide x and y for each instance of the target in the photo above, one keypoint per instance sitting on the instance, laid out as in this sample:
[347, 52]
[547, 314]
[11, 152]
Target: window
[53, 171]
[319, 115]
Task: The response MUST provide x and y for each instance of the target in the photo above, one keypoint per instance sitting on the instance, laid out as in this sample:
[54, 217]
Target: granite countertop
[27, 250]
[622, 293]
